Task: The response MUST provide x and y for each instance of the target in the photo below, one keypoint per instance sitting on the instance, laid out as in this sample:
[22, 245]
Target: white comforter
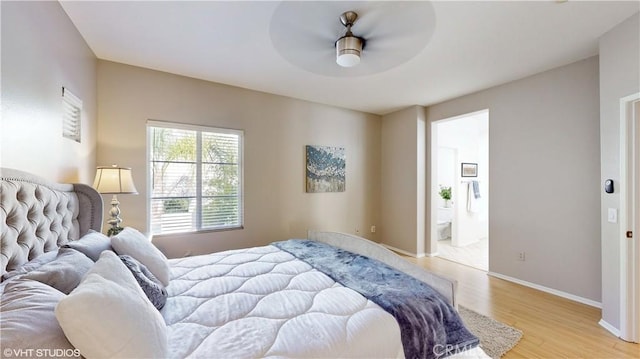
[263, 302]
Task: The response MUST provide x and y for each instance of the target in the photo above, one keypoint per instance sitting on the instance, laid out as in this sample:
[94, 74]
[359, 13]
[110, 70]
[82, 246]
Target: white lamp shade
[114, 180]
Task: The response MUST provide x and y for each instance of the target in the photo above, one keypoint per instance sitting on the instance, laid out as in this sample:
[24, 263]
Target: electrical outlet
[521, 256]
[373, 229]
[357, 230]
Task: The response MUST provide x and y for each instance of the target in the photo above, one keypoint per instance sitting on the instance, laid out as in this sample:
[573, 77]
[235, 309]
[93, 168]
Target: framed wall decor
[469, 170]
[325, 169]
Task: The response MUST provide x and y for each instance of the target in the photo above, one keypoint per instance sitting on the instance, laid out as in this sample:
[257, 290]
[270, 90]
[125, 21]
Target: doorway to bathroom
[460, 190]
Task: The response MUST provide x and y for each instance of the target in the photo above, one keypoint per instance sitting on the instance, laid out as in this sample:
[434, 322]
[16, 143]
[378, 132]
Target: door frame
[629, 211]
[432, 249]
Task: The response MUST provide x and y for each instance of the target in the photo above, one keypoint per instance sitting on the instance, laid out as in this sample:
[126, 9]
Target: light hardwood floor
[553, 327]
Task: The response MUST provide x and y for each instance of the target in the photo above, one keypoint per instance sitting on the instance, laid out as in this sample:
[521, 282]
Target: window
[195, 178]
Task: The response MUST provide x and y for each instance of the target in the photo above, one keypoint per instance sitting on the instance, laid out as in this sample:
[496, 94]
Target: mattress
[263, 302]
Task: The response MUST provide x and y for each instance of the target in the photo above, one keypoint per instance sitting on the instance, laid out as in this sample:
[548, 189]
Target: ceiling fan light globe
[348, 49]
[348, 60]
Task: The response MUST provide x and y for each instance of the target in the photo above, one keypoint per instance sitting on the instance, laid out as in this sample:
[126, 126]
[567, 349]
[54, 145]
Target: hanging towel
[476, 189]
[473, 202]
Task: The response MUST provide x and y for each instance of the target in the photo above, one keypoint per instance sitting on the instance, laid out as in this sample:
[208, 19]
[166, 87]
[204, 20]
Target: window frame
[149, 178]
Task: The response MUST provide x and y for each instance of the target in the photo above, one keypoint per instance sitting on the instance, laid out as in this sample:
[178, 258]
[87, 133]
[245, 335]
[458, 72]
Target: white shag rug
[496, 338]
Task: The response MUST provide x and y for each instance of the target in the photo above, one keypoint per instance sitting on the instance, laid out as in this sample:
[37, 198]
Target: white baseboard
[613, 330]
[559, 293]
[401, 251]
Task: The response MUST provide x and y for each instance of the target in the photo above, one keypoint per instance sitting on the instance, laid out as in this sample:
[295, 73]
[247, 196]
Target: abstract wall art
[325, 169]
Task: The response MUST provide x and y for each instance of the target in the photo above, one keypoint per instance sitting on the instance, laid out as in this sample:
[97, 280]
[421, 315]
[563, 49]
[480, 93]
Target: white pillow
[91, 244]
[109, 266]
[105, 318]
[133, 243]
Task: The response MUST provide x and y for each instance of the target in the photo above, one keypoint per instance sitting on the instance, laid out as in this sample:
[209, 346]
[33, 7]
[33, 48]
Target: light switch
[612, 215]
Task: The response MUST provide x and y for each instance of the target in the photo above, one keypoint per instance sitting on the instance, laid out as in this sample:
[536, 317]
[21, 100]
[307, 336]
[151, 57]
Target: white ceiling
[474, 45]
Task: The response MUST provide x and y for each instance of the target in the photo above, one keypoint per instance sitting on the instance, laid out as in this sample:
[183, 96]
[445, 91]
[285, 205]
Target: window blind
[195, 177]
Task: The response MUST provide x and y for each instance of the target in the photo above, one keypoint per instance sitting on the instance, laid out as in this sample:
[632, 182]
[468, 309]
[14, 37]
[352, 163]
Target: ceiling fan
[388, 33]
[349, 47]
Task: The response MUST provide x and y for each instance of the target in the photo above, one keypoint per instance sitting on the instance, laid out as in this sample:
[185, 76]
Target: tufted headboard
[38, 216]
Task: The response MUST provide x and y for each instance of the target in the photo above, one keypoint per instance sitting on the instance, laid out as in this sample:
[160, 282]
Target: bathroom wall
[447, 165]
[468, 136]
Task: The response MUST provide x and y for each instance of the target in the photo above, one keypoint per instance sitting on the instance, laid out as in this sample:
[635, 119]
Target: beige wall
[41, 52]
[544, 173]
[403, 180]
[276, 132]
[619, 77]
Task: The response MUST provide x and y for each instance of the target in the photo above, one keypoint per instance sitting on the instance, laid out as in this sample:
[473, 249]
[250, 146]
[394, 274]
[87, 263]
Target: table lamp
[115, 180]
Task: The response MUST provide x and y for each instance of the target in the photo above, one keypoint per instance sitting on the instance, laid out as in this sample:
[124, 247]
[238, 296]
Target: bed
[68, 290]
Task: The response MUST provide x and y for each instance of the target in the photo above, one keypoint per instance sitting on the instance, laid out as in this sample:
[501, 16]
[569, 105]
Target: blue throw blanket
[429, 326]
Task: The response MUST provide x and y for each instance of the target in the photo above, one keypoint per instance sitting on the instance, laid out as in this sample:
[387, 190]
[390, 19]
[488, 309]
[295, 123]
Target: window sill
[201, 231]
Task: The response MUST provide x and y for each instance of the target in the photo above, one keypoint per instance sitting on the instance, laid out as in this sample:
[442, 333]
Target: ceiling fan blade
[397, 21]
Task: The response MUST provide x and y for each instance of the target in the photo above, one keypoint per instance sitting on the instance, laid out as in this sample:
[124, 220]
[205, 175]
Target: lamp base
[115, 219]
